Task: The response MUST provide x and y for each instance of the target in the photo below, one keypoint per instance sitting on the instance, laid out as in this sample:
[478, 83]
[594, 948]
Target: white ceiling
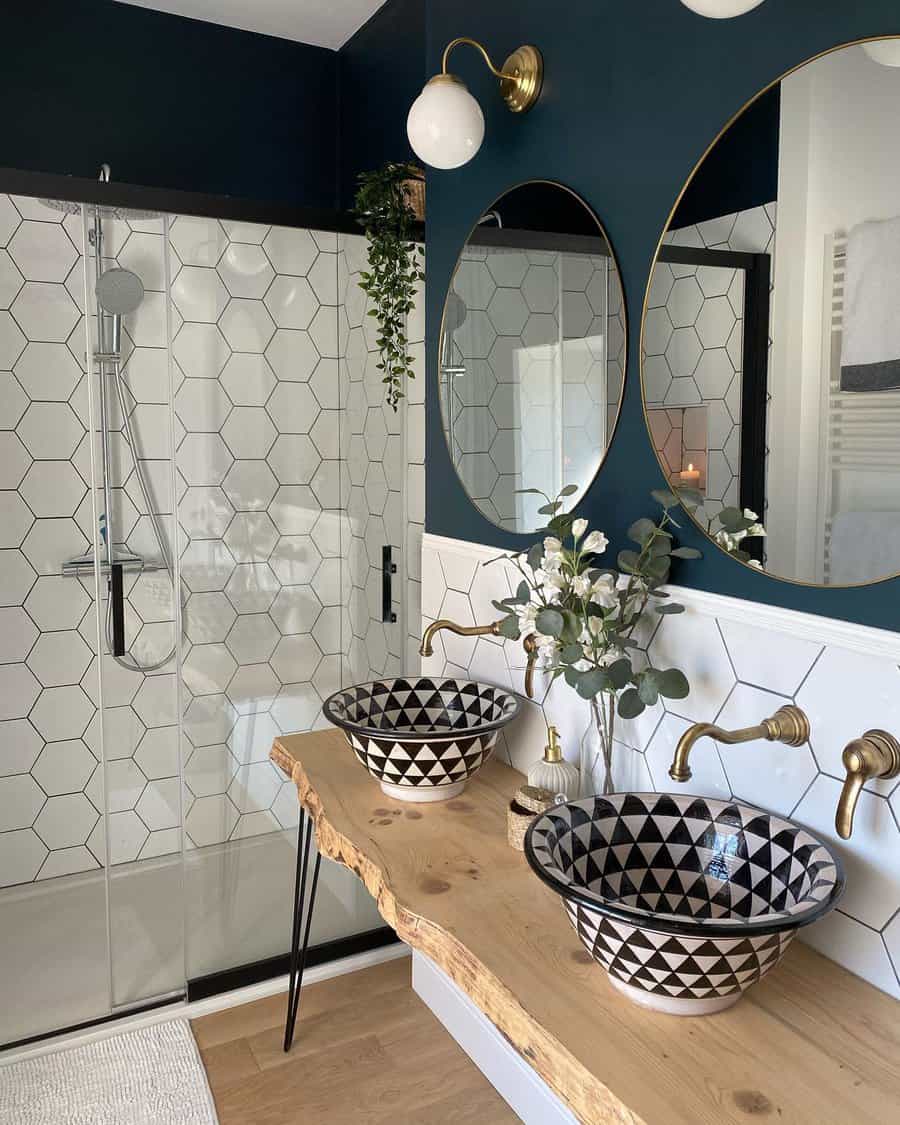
[325, 23]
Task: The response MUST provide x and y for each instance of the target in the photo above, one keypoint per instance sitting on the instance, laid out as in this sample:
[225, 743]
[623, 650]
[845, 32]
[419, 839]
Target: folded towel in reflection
[865, 546]
[870, 353]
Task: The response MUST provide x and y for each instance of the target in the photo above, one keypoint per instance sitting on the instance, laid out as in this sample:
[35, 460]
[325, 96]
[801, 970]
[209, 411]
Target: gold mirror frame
[646, 304]
[602, 233]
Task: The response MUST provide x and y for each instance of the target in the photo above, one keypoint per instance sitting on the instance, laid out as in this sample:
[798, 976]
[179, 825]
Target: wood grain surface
[810, 1045]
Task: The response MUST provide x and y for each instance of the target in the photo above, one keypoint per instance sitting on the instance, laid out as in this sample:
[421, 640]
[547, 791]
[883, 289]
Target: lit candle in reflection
[689, 477]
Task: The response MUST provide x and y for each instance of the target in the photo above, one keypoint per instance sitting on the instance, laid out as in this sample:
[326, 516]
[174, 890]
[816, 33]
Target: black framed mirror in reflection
[532, 353]
[771, 333]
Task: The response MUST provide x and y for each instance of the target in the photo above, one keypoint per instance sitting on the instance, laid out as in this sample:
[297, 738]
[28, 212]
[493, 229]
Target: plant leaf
[620, 673]
[665, 498]
[628, 561]
[630, 704]
[648, 690]
[687, 553]
[641, 531]
[672, 683]
[550, 622]
[509, 628]
[592, 682]
[667, 610]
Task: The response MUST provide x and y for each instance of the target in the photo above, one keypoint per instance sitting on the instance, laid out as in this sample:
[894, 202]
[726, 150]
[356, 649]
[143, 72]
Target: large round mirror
[771, 335]
[532, 353]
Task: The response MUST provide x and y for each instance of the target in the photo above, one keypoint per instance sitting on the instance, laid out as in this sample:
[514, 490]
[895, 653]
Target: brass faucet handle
[788, 725]
[530, 646]
[876, 754]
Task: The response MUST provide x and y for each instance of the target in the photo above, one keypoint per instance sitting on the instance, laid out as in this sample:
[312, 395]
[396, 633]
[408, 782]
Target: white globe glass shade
[445, 125]
[884, 51]
[721, 9]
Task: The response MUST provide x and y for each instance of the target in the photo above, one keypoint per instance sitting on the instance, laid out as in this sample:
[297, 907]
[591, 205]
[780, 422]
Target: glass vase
[597, 746]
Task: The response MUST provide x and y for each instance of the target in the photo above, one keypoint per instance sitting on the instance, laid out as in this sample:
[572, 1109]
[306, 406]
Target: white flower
[757, 529]
[595, 624]
[603, 592]
[579, 527]
[552, 546]
[755, 563]
[596, 542]
[748, 515]
[581, 585]
[726, 540]
[526, 615]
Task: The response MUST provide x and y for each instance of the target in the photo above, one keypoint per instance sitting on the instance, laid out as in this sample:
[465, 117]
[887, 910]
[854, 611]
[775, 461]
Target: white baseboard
[520, 1086]
[192, 1011]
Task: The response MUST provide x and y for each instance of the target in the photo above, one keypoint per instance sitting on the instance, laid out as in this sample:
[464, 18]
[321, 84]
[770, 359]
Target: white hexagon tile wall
[275, 384]
[743, 662]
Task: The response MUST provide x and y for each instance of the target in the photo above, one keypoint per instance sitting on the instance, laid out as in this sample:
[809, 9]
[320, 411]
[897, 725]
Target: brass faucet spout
[788, 725]
[492, 630]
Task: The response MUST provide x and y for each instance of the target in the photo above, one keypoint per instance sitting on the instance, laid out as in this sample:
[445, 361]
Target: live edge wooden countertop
[811, 1045]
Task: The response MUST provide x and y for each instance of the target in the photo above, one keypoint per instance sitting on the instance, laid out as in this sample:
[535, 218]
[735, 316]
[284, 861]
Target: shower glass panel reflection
[188, 521]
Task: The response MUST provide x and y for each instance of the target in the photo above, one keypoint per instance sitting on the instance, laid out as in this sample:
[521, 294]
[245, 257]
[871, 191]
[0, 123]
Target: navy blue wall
[168, 102]
[382, 70]
[635, 91]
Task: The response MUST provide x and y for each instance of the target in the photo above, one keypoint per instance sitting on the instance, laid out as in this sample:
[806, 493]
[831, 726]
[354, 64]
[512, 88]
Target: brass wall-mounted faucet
[876, 754]
[788, 725]
[492, 630]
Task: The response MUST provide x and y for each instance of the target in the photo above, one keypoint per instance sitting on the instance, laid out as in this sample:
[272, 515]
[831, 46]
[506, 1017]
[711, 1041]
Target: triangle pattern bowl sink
[422, 738]
[685, 901]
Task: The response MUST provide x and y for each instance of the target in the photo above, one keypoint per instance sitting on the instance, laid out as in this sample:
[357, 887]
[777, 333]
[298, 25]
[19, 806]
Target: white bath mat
[152, 1076]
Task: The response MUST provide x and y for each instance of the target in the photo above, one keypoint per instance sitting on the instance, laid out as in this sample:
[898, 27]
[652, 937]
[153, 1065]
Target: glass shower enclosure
[197, 477]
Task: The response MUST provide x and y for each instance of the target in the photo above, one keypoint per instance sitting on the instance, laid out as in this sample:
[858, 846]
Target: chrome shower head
[119, 291]
[71, 207]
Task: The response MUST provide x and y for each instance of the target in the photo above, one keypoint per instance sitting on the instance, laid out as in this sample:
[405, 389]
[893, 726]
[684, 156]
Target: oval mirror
[532, 353]
[771, 339]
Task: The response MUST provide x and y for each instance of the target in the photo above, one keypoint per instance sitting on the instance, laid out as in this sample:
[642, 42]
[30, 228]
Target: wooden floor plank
[367, 1052]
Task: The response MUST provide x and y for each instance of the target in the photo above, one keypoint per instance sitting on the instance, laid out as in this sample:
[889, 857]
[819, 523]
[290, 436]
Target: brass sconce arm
[788, 725]
[876, 754]
[521, 76]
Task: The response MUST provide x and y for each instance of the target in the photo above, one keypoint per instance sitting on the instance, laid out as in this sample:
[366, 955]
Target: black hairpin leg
[298, 952]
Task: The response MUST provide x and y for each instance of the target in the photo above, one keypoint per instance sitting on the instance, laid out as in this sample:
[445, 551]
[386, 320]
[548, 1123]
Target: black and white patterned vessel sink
[422, 738]
[685, 901]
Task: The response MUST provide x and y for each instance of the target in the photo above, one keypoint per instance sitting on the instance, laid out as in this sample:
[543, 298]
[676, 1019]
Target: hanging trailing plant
[383, 207]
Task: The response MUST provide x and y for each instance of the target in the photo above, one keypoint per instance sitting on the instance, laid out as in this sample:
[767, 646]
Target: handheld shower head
[119, 292]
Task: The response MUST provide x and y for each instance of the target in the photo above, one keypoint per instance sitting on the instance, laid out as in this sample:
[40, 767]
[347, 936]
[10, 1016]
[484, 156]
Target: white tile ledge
[863, 639]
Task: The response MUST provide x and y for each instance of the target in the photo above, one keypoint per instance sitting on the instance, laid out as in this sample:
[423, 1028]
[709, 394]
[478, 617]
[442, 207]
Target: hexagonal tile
[18, 691]
[295, 560]
[294, 408]
[202, 405]
[294, 459]
[157, 754]
[64, 767]
[21, 855]
[199, 294]
[208, 720]
[66, 821]
[296, 658]
[14, 460]
[17, 635]
[295, 609]
[50, 430]
[253, 689]
[715, 322]
[48, 371]
[11, 280]
[251, 537]
[683, 352]
[695, 645]
[44, 311]
[657, 331]
[540, 290]
[124, 784]
[290, 250]
[15, 519]
[685, 302]
[9, 219]
[248, 379]
[473, 284]
[297, 707]
[250, 485]
[293, 357]
[42, 251]
[151, 597]
[160, 804]
[208, 617]
[323, 331]
[478, 474]
[208, 669]
[52, 488]
[127, 835]
[714, 373]
[291, 302]
[203, 459]
[249, 432]
[197, 241]
[204, 512]
[252, 737]
[255, 787]
[252, 587]
[211, 820]
[20, 802]
[252, 638]
[209, 771]
[247, 325]
[245, 270]
[156, 702]
[508, 315]
[58, 659]
[201, 351]
[206, 564]
[13, 400]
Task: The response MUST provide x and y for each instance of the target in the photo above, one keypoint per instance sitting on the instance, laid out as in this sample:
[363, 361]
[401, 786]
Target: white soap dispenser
[553, 772]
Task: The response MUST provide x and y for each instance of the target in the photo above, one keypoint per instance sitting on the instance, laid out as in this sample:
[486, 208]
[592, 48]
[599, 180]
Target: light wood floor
[366, 1051]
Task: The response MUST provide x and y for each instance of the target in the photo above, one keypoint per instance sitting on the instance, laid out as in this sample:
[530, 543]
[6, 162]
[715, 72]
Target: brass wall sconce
[445, 125]
[788, 725]
[876, 754]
